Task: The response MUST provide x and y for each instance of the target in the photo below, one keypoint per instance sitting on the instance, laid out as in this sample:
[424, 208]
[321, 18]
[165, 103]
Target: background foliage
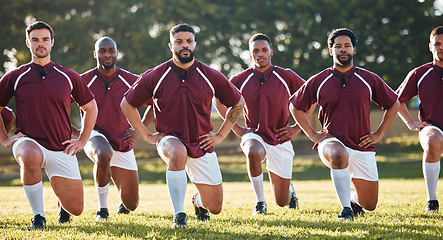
[393, 34]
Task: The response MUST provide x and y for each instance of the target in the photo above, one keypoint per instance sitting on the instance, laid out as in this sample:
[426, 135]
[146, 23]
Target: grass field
[399, 215]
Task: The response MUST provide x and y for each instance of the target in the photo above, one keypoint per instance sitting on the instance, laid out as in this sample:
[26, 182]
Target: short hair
[39, 25]
[104, 39]
[182, 27]
[342, 32]
[260, 36]
[436, 31]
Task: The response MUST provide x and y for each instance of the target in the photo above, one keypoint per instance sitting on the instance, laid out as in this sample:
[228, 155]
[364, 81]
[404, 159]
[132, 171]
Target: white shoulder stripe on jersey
[66, 76]
[422, 77]
[124, 81]
[19, 77]
[283, 81]
[246, 81]
[207, 81]
[321, 85]
[160, 81]
[92, 81]
[367, 85]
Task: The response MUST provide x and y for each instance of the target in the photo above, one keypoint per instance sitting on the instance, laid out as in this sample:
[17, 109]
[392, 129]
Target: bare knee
[434, 147]
[281, 202]
[103, 157]
[215, 209]
[74, 210]
[131, 205]
[370, 206]
[29, 157]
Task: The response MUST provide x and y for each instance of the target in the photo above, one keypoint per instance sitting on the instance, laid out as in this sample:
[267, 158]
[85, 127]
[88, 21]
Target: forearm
[134, 119]
[302, 121]
[404, 114]
[388, 118]
[148, 116]
[231, 117]
[88, 120]
[3, 134]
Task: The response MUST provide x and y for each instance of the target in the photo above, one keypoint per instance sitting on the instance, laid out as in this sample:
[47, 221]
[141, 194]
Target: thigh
[367, 193]
[69, 193]
[126, 181]
[211, 196]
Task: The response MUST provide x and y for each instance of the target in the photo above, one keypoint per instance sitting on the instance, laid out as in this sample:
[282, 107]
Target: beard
[344, 63]
[39, 54]
[185, 59]
[110, 66]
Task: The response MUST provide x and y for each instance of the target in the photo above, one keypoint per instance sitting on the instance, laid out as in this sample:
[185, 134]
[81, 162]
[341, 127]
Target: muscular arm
[302, 120]
[88, 121]
[388, 118]
[407, 119]
[233, 113]
[134, 119]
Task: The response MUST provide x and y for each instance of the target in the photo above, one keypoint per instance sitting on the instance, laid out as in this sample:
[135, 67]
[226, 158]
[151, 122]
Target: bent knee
[370, 206]
[76, 211]
[215, 210]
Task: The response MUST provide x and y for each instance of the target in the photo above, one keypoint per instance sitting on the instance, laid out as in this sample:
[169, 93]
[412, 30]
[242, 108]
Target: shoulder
[420, 70]
[209, 71]
[17, 72]
[367, 75]
[320, 76]
[287, 73]
[240, 77]
[128, 75]
[88, 74]
[64, 70]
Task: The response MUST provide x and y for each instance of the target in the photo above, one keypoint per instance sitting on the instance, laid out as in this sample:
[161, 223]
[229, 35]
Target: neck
[343, 69]
[181, 65]
[438, 63]
[262, 69]
[107, 72]
[41, 61]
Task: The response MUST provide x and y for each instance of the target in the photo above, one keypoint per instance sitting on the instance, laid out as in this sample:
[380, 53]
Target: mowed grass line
[400, 215]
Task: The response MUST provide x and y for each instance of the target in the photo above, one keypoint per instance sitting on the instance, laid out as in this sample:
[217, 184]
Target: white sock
[177, 184]
[102, 195]
[431, 171]
[354, 197]
[34, 193]
[257, 186]
[198, 201]
[341, 179]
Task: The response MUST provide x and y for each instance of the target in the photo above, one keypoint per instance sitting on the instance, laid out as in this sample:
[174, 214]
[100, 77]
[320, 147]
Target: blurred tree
[393, 35]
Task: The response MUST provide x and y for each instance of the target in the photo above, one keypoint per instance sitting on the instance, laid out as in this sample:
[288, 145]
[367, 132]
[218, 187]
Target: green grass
[399, 214]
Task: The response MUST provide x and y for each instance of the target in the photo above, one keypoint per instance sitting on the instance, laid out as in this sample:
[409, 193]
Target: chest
[53, 87]
[355, 91]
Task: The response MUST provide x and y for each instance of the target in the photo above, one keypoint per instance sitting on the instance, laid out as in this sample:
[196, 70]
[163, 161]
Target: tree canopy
[393, 35]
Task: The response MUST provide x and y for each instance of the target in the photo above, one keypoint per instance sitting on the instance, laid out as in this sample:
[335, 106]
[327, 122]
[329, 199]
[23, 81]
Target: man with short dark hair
[182, 90]
[345, 143]
[426, 82]
[266, 89]
[43, 91]
[110, 145]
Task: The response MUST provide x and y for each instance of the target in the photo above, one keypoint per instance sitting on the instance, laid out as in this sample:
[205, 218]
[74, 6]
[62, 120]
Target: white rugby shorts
[125, 160]
[279, 157]
[203, 170]
[55, 163]
[362, 164]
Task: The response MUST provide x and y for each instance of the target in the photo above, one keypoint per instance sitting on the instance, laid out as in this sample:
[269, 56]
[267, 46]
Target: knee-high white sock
[341, 179]
[354, 197]
[257, 186]
[34, 193]
[102, 195]
[198, 201]
[431, 171]
[177, 184]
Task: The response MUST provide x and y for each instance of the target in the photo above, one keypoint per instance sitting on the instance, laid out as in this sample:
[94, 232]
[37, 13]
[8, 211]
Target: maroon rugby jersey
[427, 82]
[183, 100]
[43, 101]
[108, 93]
[7, 115]
[344, 110]
[267, 104]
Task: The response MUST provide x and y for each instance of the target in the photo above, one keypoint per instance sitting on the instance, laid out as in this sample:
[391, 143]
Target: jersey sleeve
[408, 89]
[305, 96]
[7, 115]
[226, 92]
[295, 81]
[139, 94]
[6, 89]
[80, 92]
[382, 94]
